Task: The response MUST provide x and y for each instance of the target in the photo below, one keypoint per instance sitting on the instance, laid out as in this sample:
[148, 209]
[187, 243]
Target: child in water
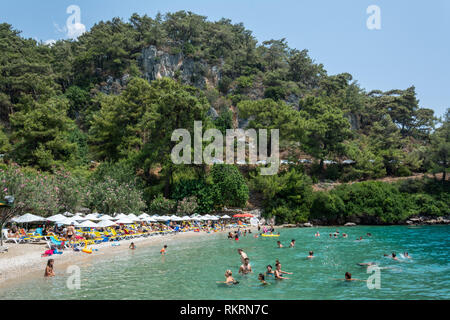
[49, 272]
[311, 255]
[163, 250]
[262, 279]
[132, 246]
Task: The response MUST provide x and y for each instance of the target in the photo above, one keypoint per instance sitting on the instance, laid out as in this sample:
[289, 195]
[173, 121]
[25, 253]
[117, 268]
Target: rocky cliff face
[156, 64]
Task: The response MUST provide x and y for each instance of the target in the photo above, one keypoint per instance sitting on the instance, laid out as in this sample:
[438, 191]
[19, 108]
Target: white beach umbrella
[144, 215]
[124, 220]
[163, 218]
[149, 219]
[27, 218]
[87, 224]
[106, 223]
[66, 221]
[106, 217]
[214, 218]
[133, 217]
[68, 214]
[226, 217]
[92, 216]
[185, 218]
[79, 218]
[120, 216]
[56, 217]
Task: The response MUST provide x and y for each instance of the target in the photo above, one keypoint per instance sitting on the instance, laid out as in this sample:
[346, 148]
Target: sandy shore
[24, 261]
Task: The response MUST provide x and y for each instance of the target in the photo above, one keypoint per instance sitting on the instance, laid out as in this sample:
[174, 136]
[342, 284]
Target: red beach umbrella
[243, 215]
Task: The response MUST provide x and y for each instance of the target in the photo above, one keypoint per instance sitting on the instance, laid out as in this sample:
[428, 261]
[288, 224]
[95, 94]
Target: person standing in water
[132, 246]
[279, 272]
[163, 250]
[229, 278]
[292, 243]
[279, 244]
[49, 272]
[245, 268]
[269, 271]
[311, 255]
[243, 255]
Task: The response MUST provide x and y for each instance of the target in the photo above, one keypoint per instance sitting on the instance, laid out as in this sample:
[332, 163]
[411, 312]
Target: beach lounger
[15, 240]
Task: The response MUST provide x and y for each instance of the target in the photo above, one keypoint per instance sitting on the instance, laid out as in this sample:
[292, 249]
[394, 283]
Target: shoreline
[23, 261]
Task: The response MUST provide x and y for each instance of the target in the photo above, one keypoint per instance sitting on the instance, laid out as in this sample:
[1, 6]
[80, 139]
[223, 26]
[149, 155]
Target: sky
[411, 46]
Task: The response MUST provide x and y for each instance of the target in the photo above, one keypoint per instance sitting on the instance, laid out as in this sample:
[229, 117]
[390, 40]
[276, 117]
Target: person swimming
[279, 272]
[261, 278]
[132, 246]
[229, 278]
[49, 272]
[311, 255]
[344, 235]
[292, 243]
[269, 271]
[394, 256]
[366, 264]
[406, 255]
[245, 268]
[279, 244]
[348, 277]
[163, 250]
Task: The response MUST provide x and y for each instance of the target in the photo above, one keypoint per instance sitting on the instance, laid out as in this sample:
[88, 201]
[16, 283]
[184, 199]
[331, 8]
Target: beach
[24, 261]
[195, 262]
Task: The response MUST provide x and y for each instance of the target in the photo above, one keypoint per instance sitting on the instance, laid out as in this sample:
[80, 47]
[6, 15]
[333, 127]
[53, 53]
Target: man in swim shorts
[245, 268]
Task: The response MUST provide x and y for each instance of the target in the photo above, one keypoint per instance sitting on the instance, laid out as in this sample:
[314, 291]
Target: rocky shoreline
[413, 221]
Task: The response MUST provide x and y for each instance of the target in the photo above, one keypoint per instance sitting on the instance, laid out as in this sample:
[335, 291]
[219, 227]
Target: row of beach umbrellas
[107, 220]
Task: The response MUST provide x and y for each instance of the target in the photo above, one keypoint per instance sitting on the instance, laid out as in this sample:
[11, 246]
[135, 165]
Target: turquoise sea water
[192, 266]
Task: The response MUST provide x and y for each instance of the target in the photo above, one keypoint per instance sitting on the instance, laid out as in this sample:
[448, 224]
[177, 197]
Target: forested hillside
[88, 123]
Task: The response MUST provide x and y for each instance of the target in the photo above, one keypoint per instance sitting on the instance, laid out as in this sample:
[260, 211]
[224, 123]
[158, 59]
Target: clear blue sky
[412, 47]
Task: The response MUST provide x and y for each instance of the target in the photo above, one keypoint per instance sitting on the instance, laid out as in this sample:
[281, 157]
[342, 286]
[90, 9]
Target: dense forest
[87, 123]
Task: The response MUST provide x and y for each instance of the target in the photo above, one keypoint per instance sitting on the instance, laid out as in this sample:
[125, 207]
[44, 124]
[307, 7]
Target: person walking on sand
[49, 272]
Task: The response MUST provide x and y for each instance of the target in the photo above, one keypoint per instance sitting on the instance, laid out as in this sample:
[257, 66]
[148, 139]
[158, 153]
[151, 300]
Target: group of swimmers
[245, 268]
[238, 233]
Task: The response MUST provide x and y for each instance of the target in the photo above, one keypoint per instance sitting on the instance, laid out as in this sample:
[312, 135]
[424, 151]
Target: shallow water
[191, 268]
